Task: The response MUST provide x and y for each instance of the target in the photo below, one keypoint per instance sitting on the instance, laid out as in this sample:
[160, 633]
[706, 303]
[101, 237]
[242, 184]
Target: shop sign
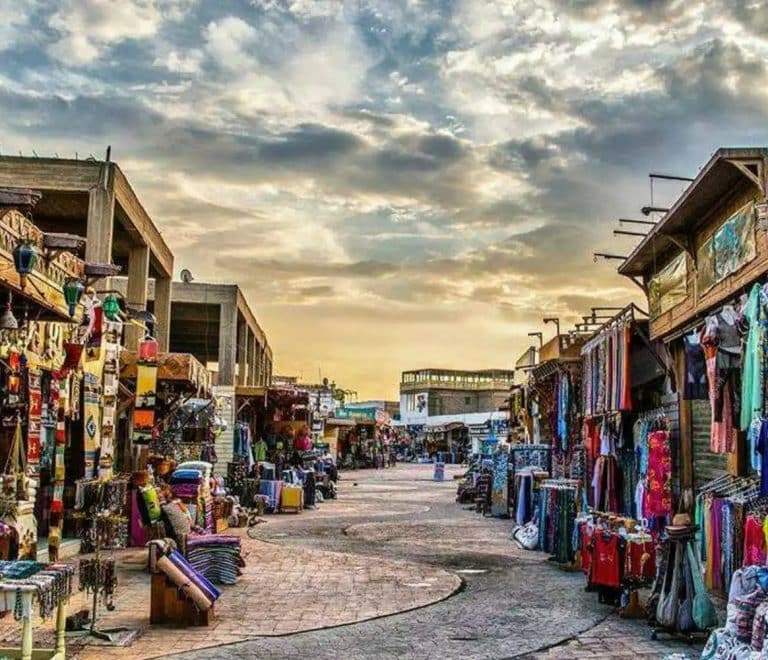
[357, 414]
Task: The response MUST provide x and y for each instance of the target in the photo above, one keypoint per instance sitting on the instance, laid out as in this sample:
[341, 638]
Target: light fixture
[7, 320]
[24, 259]
[111, 307]
[73, 291]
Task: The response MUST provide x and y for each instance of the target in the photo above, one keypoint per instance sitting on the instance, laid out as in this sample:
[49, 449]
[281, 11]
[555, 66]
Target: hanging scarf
[146, 385]
[111, 375]
[34, 446]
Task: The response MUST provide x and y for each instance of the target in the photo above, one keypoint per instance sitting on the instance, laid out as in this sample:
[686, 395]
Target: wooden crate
[169, 605]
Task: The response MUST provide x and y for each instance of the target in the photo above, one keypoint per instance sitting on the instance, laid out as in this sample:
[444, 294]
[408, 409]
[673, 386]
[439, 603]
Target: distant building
[426, 393]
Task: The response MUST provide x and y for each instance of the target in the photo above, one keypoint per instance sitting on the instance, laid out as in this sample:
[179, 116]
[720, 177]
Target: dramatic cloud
[389, 180]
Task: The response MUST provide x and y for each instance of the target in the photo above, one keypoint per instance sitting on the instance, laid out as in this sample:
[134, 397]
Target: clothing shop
[275, 465]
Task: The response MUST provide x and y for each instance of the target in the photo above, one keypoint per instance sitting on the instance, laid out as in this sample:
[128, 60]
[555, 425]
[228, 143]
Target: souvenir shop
[275, 465]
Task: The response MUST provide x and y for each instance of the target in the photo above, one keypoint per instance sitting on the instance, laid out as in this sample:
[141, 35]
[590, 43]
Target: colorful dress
[658, 491]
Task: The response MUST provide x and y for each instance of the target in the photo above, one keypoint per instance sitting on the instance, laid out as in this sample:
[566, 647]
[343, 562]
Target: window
[467, 400]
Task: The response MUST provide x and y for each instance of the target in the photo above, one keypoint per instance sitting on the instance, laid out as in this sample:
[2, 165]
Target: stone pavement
[392, 569]
[513, 604]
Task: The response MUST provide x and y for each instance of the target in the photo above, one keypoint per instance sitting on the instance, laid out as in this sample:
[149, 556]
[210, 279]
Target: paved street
[511, 604]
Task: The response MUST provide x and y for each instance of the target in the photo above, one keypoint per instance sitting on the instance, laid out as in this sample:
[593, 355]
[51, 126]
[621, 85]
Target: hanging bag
[685, 622]
[666, 611]
[704, 613]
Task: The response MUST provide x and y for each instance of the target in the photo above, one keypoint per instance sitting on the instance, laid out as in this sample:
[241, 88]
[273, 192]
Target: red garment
[658, 488]
[586, 552]
[640, 560]
[606, 560]
[626, 388]
[754, 543]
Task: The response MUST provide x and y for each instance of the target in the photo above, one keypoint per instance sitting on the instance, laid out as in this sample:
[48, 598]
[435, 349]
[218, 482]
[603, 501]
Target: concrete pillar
[163, 312]
[227, 342]
[242, 353]
[101, 216]
[136, 291]
[253, 360]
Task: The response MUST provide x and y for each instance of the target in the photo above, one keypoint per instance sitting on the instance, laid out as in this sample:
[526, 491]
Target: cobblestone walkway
[514, 604]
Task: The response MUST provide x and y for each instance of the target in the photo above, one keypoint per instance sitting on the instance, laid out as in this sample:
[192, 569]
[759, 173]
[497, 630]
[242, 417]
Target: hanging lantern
[73, 292]
[111, 307]
[24, 259]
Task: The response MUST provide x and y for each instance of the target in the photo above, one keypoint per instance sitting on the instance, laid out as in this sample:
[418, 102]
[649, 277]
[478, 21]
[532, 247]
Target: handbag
[704, 613]
[666, 610]
[685, 622]
[527, 536]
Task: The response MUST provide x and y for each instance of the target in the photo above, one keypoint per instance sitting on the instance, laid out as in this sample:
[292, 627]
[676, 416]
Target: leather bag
[669, 603]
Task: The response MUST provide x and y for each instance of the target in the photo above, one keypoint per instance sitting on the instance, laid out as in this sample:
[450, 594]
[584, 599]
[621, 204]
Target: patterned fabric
[740, 615]
[34, 445]
[658, 492]
[758, 627]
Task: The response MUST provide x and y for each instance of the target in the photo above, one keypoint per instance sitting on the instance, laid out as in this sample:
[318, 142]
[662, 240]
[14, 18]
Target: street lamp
[539, 335]
[554, 320]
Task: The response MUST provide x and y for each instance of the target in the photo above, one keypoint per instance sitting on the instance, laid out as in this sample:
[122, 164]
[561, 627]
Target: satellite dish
[186, 276]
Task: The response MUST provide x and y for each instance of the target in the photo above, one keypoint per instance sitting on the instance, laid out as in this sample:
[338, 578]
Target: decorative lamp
[111, 307]
[24, 258]
[73, 292]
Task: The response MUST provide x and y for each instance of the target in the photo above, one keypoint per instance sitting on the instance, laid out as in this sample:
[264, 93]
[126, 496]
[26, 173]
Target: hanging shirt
[762, 450]
[260, 451]
[752, 359]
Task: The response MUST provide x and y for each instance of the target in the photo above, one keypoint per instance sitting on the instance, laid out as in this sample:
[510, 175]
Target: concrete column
[242, 353]
[163, 312]
[253, 360]
[227, 342]
[101, 216]
[136, 291]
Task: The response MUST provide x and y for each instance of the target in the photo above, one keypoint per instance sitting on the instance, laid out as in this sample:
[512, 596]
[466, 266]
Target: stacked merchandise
[190, 486]
[215, 556]
[744, 634]
[195, 587]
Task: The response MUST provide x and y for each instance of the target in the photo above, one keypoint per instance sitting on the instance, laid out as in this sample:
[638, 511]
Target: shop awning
[178, 367]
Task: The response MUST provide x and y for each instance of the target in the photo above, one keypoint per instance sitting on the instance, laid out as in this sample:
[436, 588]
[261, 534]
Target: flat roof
[66, 184]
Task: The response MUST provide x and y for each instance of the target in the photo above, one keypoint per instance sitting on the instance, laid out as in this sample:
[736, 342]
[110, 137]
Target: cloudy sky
[394, 183]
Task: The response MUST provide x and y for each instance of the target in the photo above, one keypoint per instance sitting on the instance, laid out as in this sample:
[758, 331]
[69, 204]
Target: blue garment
[762, 450]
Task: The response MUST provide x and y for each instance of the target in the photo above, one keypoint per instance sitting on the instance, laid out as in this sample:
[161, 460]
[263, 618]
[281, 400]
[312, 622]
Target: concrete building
[93, 199]
[214, 323]
[426, 393]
